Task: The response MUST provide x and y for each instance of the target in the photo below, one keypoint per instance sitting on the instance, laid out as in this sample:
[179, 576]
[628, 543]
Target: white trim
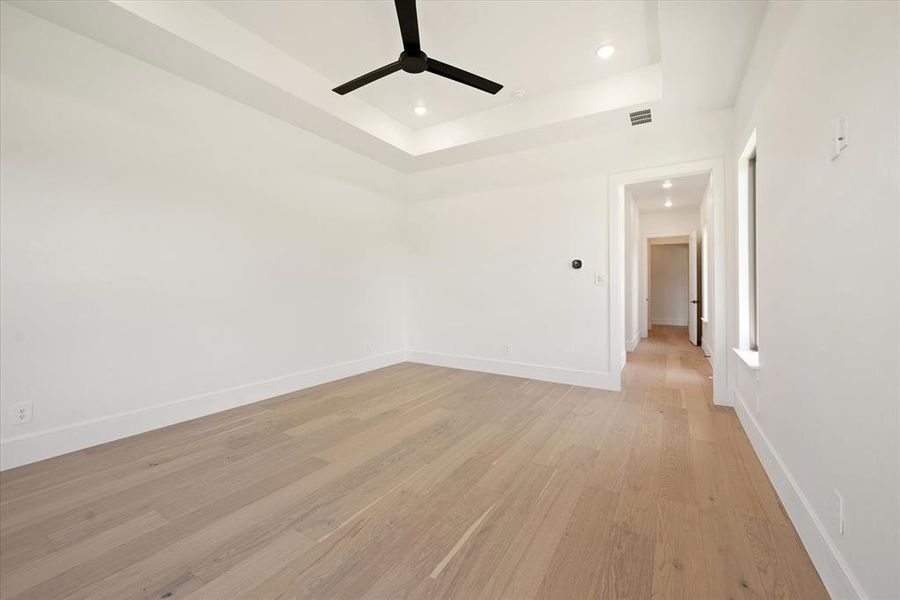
[634, 341]
[719, 287]
[617, 183]
[743, 246]
[709, 355]
[670, 322]
[836, 574]
[592, 379]
[750, 358]
[41, 445]
[616, 315]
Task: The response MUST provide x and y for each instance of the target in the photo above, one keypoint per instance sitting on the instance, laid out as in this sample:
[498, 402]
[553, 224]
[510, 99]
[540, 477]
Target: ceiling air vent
[639, 117]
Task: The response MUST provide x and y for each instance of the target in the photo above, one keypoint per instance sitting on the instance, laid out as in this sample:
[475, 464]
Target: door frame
[616, 197]
[645, 274]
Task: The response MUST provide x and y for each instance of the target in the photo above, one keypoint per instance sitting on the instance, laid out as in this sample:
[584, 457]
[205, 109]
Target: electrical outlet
[21, 413]
[506, 350]
[839, 510]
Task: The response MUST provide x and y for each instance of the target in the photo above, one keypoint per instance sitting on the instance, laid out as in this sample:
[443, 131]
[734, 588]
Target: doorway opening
[685, 201]
[670, 215]
[672, 294]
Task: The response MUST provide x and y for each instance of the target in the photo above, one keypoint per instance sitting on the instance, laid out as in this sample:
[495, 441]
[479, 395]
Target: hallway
[738, 539]
[422, 482]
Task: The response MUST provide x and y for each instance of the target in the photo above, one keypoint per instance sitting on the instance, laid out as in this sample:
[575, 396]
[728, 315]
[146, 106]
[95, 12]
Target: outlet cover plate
[21, 413]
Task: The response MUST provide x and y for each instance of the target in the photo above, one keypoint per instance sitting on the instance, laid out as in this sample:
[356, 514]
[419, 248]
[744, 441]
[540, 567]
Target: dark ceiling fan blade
[451, 72]
[409, 25]
[368, 78]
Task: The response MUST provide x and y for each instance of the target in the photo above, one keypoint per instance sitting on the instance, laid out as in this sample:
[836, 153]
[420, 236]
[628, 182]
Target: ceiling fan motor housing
[415, 62]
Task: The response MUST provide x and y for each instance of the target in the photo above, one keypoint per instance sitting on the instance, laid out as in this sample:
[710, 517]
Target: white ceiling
[677, 57]
[685, 192]
[534, 46]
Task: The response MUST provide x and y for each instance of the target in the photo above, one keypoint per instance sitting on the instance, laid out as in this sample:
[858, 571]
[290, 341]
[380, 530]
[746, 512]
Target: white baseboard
[672, 322]
[631, 344]
[593, 379]
[836, 574]
[40, 445]
[706, 350]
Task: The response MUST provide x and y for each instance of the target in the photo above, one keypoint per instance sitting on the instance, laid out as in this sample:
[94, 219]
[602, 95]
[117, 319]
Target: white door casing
[692, 287]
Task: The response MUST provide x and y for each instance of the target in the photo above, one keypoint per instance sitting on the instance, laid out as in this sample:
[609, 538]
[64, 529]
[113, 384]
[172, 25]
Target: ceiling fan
[413, 60]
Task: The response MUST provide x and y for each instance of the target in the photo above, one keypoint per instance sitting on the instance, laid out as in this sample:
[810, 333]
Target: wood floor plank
[466, 577]
[239, 580]
[676, 467]
[730, 569]
[587, 533]
[636, 508]
[520, 572]
[628, 569]
[679, 566]
[419, 481]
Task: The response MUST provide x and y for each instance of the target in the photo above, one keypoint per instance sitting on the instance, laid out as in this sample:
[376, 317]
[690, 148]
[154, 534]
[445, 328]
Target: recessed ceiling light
[668, 204]
[606, 50]
[420, 110]
[667, 184]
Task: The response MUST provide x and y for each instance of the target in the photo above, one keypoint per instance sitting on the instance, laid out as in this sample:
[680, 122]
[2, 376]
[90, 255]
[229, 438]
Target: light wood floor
[420, 482]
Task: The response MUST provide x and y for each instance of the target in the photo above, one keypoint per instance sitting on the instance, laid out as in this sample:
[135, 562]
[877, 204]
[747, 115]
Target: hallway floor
[421, 482]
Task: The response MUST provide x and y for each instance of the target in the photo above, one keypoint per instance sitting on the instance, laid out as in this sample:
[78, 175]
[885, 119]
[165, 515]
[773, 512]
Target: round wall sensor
[576, 264]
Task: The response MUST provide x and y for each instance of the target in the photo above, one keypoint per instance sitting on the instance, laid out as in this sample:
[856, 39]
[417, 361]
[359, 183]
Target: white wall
[664, 222]
[669, 297]
[165, 250]
[493, 269]
[823, 411]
